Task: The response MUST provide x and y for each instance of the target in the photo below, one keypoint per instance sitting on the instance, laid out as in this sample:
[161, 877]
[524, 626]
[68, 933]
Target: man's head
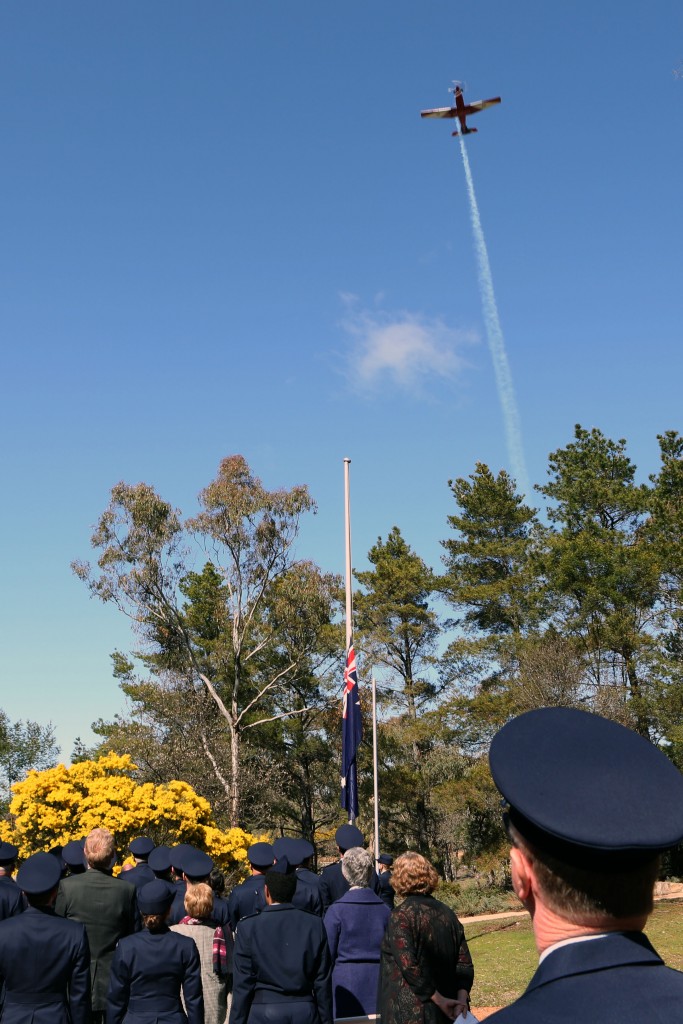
[384, 862]
[141, 849]
[8, 858]
[38, 878]
[260, 856]
[100, 850]
[348, 836]
[590, 805]
[280, 885]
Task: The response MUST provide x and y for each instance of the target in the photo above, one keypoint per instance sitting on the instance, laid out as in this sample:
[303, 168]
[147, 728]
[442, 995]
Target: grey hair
[357, 866]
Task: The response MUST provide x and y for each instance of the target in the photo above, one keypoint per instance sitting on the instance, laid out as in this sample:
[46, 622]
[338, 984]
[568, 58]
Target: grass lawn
[505, 956]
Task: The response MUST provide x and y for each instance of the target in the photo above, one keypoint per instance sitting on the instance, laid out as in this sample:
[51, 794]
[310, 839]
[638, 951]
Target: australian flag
[352, 732]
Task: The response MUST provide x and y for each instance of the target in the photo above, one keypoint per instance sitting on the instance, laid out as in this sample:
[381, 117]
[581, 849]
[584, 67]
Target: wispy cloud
[403, 349]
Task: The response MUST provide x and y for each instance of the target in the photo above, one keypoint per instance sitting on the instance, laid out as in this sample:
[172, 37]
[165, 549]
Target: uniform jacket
[355, 926]
[108, 908]
[616, 978]
[307, 895]
[147, 974]
[386, 889]
[11, 898]
[333, 884]
[45, 966]
[246, 899]
[138, 876]
[281, 955]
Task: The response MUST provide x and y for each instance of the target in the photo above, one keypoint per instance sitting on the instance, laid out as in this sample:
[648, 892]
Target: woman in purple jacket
[355, 926]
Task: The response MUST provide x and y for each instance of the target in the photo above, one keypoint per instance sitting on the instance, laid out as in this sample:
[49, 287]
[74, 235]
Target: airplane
[461, 110]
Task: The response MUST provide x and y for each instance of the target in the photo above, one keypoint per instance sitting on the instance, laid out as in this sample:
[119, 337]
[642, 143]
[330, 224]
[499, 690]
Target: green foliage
[24, 746]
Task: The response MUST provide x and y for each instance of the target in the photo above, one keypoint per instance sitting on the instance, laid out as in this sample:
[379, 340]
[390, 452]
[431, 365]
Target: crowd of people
[588, 808]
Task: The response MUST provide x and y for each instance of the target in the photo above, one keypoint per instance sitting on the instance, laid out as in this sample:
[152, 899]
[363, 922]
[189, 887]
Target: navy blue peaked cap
[178, 854]
[160, 858]
[155, 897]
[8, 853]
[348, 836]
[579, 785]
[295, 850]
[385, 858]
[197, 864]
[141, 847]
[261, 855]
[72, 854]
[40, 873]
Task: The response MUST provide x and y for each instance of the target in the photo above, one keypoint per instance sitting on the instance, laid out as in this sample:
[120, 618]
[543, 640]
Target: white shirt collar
[569, 942]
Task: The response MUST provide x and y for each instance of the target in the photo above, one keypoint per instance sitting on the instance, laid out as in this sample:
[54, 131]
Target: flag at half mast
[352, 733]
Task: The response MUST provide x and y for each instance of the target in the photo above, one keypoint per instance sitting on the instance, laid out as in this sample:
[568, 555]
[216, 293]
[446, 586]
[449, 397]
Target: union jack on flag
[352, 733]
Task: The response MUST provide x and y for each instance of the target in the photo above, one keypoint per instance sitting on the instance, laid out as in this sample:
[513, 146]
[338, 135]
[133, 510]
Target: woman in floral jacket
[426, 971]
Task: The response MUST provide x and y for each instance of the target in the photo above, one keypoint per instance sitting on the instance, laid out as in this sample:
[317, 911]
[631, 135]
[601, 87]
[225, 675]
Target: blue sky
[226, 229]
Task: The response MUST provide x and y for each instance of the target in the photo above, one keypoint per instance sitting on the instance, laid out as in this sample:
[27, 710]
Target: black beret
[72, 854]
[8, 853]
[141, 847]
[197, 864]
[578, 784]
[384, 858]
[155, 897]
[160, 858]
[260, 855]
[348, 836]
[39, 874]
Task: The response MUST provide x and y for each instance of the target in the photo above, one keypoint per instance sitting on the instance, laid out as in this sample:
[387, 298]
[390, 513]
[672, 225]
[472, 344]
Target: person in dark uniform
[44, 960]
[72, 855]
[282, 971]
[105, 905]
[248, 897]
[197, 867]
[159, 861]
[384, 862]
[590, 806]
[142, 873]
[11, 899]
[332, 881]
[307, 895]
[150, 969]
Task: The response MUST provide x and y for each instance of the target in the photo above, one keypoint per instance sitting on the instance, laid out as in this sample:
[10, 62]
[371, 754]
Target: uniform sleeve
[243, 976]
[322, 986]
[79, 983]
[60, 902]
[333, 930]
[325, 893]
[192, 988]
[119, 988]
[401, 941]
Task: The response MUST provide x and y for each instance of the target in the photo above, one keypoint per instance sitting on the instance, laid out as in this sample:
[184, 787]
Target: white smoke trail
[501, 366]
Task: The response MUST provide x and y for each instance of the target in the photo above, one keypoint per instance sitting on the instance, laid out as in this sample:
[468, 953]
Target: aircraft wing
[439, 112]
[474, 108]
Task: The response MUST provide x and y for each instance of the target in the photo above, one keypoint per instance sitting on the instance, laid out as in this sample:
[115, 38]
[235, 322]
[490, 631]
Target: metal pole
[347, 530]
[374, 764]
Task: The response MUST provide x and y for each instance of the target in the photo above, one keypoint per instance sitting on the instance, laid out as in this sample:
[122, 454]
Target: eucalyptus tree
[243, 626]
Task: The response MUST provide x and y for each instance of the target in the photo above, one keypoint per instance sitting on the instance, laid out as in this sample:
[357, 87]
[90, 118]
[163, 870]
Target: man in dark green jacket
[105, 905]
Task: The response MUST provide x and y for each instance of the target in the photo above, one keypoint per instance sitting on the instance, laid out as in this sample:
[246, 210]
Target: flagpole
[374, 764]
[349, 593]
[347, 531]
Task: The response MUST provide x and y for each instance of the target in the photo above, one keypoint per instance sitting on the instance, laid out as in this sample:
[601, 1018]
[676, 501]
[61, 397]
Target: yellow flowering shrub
[51, 807]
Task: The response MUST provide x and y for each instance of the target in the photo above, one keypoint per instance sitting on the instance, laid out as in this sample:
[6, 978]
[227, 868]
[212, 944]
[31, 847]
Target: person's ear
[522, 873]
